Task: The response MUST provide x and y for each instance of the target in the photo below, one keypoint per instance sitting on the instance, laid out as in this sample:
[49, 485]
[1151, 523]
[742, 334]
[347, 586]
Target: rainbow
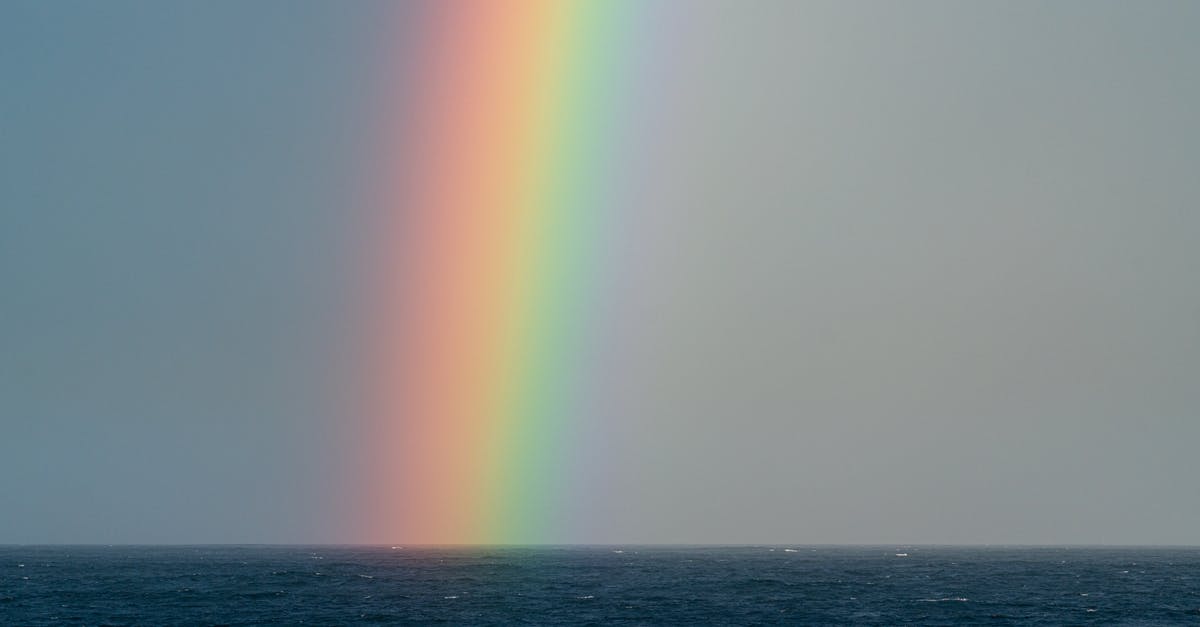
[495, 203]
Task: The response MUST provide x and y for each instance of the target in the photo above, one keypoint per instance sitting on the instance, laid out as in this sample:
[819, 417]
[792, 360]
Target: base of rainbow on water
[496, 186]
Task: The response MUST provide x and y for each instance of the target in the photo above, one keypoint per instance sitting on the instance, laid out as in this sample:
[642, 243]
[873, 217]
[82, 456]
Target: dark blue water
[623, 585]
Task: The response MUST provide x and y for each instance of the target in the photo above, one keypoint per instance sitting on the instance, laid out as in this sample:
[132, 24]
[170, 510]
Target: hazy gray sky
[887, 272]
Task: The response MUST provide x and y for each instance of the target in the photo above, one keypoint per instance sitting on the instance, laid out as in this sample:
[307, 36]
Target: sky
[918, 272]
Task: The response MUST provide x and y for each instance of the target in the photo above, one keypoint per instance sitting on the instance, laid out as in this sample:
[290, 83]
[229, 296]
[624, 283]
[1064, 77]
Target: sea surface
[636, 585]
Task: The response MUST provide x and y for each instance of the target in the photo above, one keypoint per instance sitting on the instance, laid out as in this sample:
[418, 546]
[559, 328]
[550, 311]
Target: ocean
[631, 585]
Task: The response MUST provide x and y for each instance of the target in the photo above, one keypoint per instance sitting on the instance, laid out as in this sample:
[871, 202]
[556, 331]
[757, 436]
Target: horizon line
[611, 544]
